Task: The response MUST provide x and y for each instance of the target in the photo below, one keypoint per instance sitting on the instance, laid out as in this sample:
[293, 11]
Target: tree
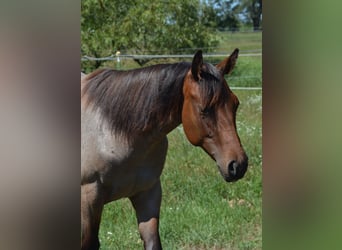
[226, 14]
[232, 14]
[252, 9]
[256, 12]
[140, 27]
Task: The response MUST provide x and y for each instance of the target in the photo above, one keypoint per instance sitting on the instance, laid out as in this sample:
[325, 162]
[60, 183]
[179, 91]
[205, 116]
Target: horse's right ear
[196, 65]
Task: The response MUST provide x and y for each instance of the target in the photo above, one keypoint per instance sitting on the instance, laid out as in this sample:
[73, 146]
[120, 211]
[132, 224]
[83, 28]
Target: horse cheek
[190, 125]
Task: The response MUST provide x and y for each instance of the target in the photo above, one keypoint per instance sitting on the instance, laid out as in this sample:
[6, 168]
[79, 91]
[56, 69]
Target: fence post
[118, 61]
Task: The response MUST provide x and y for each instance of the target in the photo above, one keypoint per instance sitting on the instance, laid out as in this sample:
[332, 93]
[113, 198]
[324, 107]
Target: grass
[199, 209]
[245, 41]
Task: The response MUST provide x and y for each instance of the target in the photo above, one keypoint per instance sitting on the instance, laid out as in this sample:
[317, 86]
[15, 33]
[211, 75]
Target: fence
[128, 56]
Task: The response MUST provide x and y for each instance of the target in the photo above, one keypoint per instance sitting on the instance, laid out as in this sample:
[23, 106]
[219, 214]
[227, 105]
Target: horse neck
[144, 101]
[174, 122]
[172, 109]
[167, 110]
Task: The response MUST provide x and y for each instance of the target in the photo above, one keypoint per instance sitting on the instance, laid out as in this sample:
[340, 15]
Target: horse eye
[205, 111]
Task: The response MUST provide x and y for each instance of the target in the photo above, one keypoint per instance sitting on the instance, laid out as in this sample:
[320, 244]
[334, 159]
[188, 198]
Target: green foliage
[139, 27]
[226, 13]
[252, 11]
[233, 14]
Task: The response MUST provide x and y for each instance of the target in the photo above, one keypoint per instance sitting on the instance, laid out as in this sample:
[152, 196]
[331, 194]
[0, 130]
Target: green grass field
[245, 41]
[199, 209]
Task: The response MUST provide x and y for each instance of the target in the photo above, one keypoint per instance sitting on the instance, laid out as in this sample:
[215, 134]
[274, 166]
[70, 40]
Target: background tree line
[164, 26]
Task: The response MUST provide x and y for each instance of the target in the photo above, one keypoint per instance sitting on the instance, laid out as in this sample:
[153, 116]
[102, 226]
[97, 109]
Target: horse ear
[227, 65]
[197, 62]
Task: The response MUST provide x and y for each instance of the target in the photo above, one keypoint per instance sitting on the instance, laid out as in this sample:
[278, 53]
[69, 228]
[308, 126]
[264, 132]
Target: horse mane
[213, 92]
[135, 101]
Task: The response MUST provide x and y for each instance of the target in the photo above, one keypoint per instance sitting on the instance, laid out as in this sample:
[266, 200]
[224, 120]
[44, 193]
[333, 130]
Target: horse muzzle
[235, 170]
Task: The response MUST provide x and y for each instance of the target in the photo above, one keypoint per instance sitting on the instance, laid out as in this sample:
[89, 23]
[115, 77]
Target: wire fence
[245, 88]
[252, 53]
[140, 57]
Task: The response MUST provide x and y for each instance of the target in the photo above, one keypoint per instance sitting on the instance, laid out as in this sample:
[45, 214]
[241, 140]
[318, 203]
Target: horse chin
[230, 179]
[227, 177]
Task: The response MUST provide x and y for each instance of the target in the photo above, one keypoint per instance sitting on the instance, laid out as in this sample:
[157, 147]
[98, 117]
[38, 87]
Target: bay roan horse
[126, 116]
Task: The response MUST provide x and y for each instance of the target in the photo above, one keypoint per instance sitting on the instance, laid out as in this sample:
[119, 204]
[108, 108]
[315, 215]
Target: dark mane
[134, 101]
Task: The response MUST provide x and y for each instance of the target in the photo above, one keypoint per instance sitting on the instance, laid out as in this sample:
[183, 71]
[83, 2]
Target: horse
[126, 116]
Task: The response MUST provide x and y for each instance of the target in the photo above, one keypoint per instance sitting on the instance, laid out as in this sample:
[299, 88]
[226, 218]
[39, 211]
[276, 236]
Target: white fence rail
[114, 57]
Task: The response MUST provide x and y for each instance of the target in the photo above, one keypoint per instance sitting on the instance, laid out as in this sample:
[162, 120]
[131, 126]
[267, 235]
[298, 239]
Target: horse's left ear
[227, 65]
[196, 65]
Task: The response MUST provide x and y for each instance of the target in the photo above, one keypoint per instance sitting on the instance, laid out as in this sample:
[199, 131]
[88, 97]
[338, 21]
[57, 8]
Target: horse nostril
[232, 168]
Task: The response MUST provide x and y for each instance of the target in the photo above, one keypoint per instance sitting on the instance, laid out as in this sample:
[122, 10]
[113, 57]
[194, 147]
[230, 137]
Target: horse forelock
[134, 101]
[214, 91]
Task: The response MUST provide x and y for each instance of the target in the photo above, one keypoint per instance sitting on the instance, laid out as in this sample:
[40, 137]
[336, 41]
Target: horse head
[209, 115]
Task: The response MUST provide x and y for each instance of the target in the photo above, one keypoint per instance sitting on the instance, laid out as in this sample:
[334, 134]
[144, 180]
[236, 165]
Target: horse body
[113, 168]
[124, 141]
[123, 168]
